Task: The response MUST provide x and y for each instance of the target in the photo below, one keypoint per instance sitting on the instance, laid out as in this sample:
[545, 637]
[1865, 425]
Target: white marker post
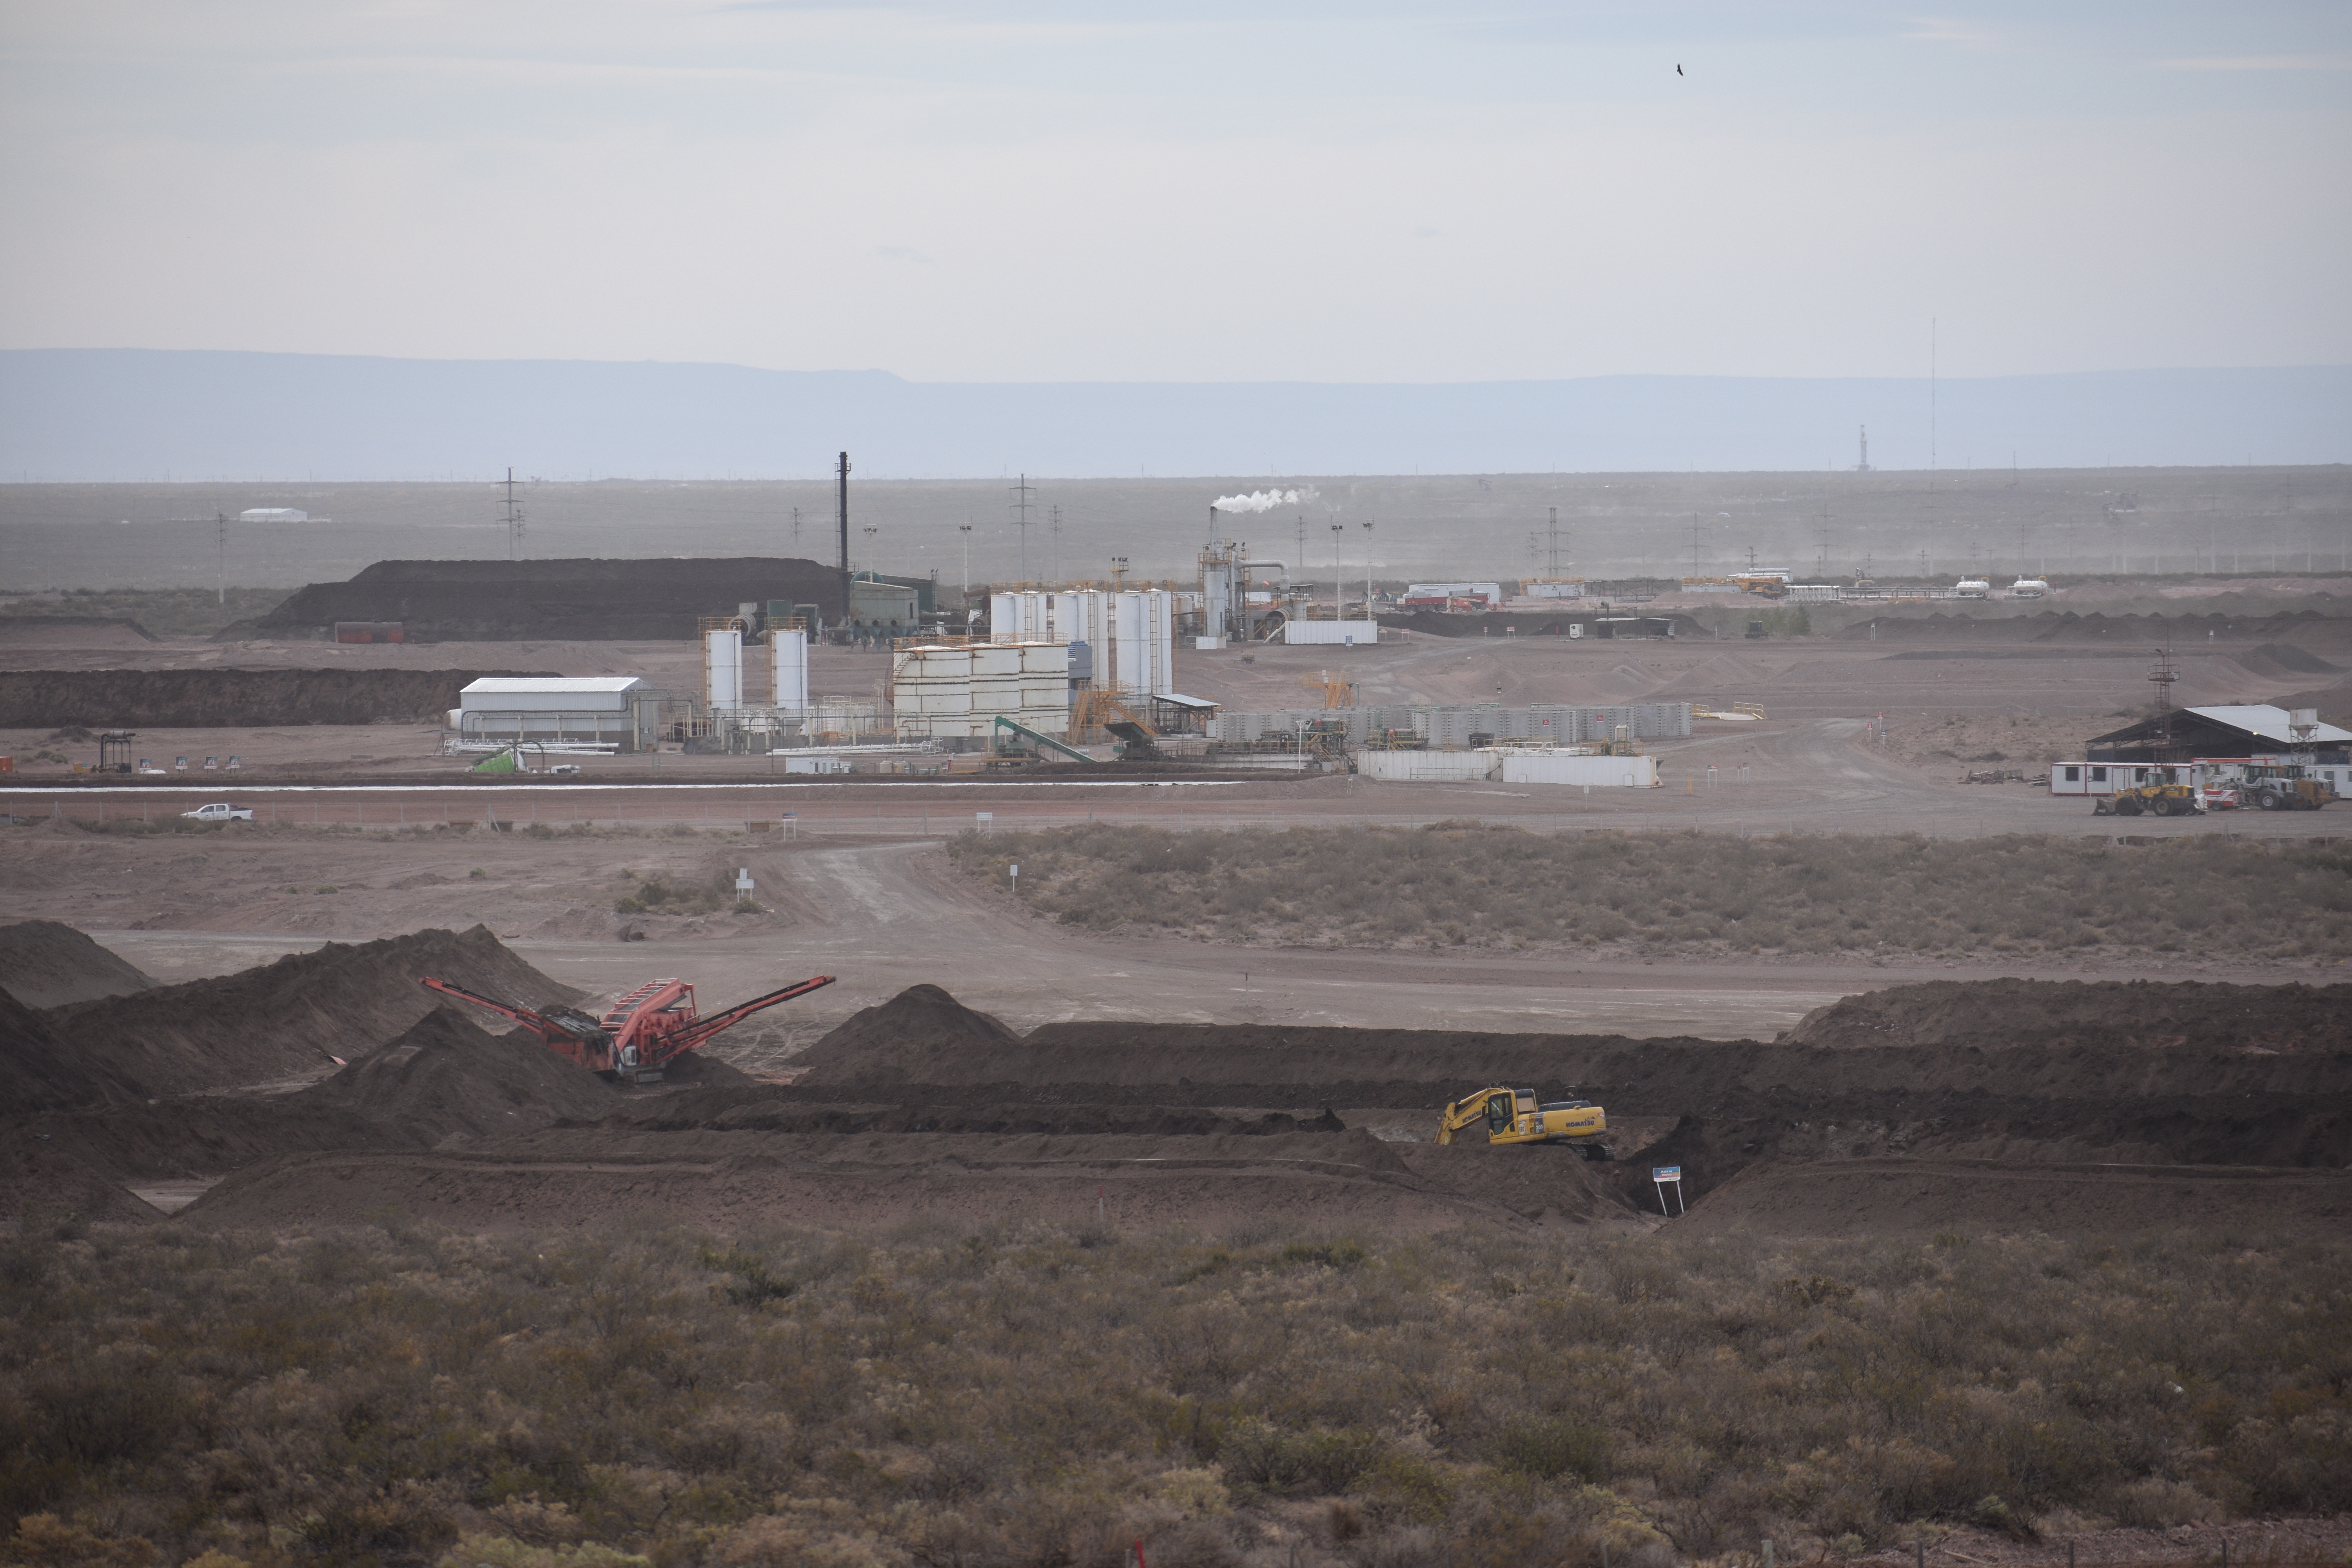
[742, 883]
[1016, 878]
[1662, 1174]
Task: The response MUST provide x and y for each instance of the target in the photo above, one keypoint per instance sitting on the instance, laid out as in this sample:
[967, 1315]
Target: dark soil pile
[2285, 658]
[229, 699]
[764, 1110]
[46, 963]
[1879, 1197]
[292, 1017]
[2063, 1015]
[916, 1024]
[44, 1073]
[446, 1081]
[42, 1180]
[572, 601]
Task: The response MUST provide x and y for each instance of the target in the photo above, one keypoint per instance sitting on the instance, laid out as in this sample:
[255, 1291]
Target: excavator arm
[1466, 1114]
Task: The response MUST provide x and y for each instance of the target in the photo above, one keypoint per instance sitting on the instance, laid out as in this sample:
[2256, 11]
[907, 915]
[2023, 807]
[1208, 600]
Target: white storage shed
[619, 710]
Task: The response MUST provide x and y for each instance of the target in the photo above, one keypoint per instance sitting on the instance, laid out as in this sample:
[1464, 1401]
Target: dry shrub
[1467, 885]
[1037, 1392]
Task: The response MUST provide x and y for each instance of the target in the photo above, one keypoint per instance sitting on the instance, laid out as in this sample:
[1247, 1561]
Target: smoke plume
[1264, 500]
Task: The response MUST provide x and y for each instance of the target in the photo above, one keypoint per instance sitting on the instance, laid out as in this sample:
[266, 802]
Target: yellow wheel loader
[2157, 800]
[1512, 1116]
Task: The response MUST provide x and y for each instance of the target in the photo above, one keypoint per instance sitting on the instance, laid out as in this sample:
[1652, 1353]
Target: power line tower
[796, 530]
[1551, 560]
[220, 552]
[512, 518]
[1054, 565]
[840, 505]
[1021, 521]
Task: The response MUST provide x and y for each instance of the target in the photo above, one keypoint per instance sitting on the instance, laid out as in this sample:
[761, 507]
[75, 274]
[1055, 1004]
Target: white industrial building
[1331, 633]
[1511, 764]
[621, 710]
[273, 514]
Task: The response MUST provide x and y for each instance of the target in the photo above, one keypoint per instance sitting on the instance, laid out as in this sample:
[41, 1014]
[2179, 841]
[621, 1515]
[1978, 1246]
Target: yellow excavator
[1512, 1116]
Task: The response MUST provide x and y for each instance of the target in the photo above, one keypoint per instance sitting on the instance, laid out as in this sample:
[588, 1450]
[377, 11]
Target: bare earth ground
[857, 895]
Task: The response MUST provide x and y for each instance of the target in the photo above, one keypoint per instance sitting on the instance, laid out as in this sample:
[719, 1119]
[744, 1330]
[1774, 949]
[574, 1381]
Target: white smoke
[1264, 500]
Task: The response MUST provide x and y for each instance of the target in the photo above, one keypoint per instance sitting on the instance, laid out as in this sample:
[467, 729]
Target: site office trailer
[2334, 771]
[2106, 778]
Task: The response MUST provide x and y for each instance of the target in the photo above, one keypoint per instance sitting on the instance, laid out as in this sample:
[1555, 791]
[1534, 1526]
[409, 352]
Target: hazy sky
[1384, 190]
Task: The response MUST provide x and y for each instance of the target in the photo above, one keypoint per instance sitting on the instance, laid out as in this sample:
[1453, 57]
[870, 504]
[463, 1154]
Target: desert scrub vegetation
[1456, 884]
[1037, 1394]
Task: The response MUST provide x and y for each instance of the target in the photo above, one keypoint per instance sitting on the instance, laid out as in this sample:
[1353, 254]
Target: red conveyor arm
[519, 1015]
[703, 1029]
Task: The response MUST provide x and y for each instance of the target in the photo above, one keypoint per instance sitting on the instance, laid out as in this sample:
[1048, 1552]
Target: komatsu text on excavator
[1512, 1116]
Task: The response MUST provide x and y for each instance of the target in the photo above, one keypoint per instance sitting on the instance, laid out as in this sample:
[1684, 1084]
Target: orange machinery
[640, 1035]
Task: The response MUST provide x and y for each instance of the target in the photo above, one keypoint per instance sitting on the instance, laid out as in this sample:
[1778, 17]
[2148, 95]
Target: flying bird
[1678, 71]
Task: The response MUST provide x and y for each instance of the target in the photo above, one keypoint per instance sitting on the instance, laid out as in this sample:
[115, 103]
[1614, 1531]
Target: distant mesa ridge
[77, 414]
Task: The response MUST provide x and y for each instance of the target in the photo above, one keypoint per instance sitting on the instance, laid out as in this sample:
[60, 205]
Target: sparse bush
[1031, 1392]
[1462, 884]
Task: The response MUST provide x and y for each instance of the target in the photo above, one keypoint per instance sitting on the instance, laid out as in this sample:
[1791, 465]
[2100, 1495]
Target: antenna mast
[1021, 507]
[513, 520]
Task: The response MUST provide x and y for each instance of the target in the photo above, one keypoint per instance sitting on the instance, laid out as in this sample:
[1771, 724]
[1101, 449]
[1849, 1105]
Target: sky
[1212, 191]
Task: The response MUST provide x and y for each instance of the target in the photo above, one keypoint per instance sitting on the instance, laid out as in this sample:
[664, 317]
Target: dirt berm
[767, 1108]
[2066, 626]
[1880, 1197]
[736, 1180]
[46, 963]
[446, 1081]
[570, 601]
[292, 1018]
[2020, 1070]
[229, 699]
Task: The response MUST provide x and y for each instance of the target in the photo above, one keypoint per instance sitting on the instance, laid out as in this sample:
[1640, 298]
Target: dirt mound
[572, 601]
[45, 963]
[446, 1081]
[44, 1180]
[1632, 623]
[2334, 702]
[293, 1016]
[1850, 1198]
[2285, 658]
[229, 699]
[2075, 1014]
[922, 1018]
[741, 1179]
[763, 1110]
[2066, 626]
[44, 1073]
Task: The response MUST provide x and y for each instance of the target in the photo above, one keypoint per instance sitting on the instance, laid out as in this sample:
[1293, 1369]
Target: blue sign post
[1662, 1174]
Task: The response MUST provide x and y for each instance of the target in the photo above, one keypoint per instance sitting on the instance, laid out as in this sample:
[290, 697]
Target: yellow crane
[1336, 693]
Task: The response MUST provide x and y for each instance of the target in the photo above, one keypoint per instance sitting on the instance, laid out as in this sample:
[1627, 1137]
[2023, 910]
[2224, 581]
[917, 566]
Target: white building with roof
[613, 710]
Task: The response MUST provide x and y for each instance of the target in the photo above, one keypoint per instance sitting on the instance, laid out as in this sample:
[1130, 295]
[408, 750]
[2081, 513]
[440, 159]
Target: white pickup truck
[221, 811]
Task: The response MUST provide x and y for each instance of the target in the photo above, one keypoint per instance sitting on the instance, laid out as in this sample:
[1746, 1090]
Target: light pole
[1339, 577]
[1368, 568]
[965, 529]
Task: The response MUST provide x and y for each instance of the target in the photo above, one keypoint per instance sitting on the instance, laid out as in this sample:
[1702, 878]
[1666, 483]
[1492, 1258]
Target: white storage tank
[790, 652]
[722, 669]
